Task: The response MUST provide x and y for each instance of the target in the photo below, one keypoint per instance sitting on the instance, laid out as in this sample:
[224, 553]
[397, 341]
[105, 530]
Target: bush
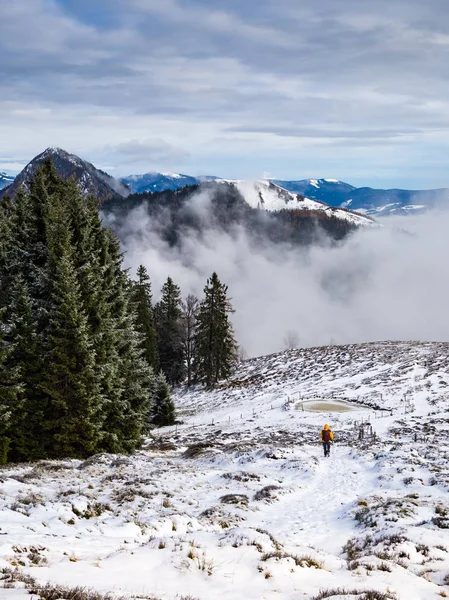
[266, 492]
[359, 594]
[235, 499]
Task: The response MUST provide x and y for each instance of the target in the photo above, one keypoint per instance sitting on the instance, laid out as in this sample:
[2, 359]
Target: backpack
[326, 435]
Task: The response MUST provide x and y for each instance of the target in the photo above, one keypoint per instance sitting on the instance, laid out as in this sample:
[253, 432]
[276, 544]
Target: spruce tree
[74, 423]
[132, 379]
[215, 345]
[10, 388]
[163, 409]
[70, 339]
[144, 317]
[168, 318]
[28, 438]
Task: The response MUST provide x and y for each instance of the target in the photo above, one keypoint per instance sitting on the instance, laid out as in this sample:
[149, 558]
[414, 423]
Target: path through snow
[316, 512]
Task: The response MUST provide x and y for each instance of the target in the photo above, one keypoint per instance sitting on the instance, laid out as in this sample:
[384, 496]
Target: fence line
[299, 399]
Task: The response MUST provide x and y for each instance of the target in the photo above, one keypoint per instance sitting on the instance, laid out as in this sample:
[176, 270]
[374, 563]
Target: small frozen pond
[323, 405]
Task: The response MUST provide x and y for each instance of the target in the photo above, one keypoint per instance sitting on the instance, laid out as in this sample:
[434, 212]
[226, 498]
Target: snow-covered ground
[238, 501]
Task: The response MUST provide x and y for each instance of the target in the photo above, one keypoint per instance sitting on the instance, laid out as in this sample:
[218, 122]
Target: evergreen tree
[163, 409]
[74, 422]
[189, 313]
[216, 348]
[71, 364]
[132, 379]
[9, 392]
[144, 317]
[27, 435]
[168, 318]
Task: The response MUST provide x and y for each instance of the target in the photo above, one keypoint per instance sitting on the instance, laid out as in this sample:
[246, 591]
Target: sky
[341, 89]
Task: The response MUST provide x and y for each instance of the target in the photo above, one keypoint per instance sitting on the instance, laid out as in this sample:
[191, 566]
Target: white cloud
[379, 284]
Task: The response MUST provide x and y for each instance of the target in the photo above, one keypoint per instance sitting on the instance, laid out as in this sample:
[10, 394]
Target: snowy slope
[267, 196]
[238, 502]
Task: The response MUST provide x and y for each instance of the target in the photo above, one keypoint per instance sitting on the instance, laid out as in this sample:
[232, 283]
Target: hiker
[327, 437]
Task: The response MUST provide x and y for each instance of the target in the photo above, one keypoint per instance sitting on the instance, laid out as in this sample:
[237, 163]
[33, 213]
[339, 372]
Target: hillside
[376, 374]
[90, 179]
[237, 501]
[267, 212]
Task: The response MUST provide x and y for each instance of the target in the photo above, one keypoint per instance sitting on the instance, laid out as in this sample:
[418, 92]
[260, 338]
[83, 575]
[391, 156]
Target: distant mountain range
[337, 194]
[159, 182]
[5, 180]
[370, 201]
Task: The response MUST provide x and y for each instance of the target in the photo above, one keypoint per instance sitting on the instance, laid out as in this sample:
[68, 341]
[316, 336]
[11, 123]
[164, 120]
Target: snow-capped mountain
[266, 195]
[158, 182]
[395, 202]
[330, 191]
[5, 179]
[90, 179]
[370, 201]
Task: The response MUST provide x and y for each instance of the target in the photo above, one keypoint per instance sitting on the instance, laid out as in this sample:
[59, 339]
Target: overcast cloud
[348, 89]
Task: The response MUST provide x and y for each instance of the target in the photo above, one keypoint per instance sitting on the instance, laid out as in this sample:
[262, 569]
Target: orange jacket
[327, 428]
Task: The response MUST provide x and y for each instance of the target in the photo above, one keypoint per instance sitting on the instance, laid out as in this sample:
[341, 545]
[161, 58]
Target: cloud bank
[381, 284]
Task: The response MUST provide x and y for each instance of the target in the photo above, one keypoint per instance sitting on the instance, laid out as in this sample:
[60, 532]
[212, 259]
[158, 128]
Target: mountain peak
[91, 181]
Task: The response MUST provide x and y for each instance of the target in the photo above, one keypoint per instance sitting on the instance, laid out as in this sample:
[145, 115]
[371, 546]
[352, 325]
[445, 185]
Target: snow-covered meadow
[238, 502]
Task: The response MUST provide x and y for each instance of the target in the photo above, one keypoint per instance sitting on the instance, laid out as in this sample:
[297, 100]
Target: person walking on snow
[327, 437]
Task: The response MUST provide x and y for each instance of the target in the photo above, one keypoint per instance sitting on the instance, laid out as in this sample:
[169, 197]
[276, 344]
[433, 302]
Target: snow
[173, 175]
[268, 196]
[332, 180]
[238, 502]
[314, 182]
[414, 207]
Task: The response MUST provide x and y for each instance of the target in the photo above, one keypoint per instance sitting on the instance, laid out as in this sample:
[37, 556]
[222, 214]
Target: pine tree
[144, 317]
[168, 318]
[216, 348]
[189, 314]
[163, 409]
